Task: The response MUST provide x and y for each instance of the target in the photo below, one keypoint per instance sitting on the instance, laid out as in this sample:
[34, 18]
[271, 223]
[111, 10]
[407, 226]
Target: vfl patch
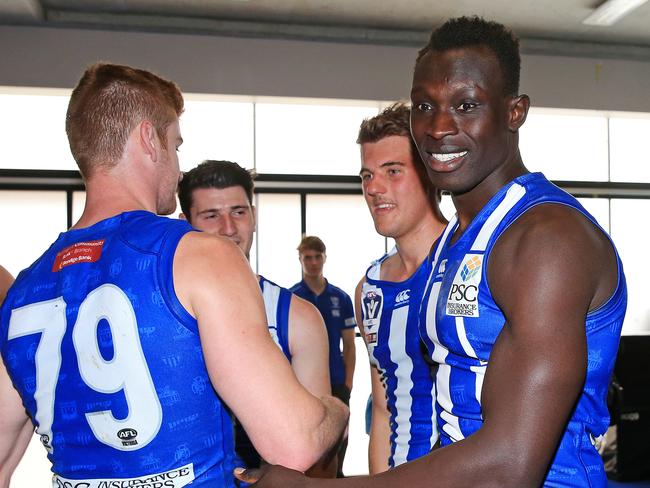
[463, 295]
[372, 300]
[80, 252]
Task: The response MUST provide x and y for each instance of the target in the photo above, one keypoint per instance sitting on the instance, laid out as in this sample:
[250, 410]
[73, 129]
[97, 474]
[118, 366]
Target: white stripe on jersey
[514, 194]
[462, 337]
[403, 399]
[439, 352]
[451, 426]
[271, 296]
[480, 376]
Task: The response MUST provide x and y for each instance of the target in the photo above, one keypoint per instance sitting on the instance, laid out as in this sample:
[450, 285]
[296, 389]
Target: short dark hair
[311, 243]
[475, 31]
[105, 106]
[214, 174]
[394, 120]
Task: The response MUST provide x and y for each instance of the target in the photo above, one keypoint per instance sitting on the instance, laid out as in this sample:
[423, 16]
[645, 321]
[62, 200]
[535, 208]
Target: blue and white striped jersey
[390, 321]
[277, 301]
[460, 323]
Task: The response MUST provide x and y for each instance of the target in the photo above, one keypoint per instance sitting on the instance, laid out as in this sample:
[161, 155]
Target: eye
[423, 106]
[467, 106]
[365, 176]
[394, 171]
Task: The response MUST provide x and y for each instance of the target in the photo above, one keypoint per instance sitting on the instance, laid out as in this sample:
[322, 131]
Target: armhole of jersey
[166, 277]
[283, 320]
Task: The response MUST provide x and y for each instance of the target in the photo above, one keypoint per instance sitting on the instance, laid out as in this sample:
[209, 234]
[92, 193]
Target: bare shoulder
[305, 313]
[207, 267]
[5, 282]
[555, 245]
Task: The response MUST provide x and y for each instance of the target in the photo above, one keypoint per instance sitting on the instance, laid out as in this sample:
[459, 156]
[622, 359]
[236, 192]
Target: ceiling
[546, 25]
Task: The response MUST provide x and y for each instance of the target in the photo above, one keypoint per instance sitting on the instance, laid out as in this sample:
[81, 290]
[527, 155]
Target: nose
[375, 186]
[227, 227]
[442, 123]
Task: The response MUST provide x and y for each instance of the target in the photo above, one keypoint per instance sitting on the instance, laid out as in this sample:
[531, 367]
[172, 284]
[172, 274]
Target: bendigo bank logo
[463, 294]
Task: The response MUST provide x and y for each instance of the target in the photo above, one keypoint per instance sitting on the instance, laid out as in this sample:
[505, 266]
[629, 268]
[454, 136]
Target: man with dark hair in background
[217, 197]
[404, 206]
[525, 303]
[336, 308]
[126, 339]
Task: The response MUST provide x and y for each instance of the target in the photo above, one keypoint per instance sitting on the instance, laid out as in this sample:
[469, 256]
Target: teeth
[444, 157]
[384, 205]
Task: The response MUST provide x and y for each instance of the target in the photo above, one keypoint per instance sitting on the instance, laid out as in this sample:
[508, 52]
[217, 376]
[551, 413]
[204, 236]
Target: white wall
[55, 57]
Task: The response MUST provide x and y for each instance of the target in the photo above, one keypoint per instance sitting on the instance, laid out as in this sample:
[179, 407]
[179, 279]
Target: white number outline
[127, 371]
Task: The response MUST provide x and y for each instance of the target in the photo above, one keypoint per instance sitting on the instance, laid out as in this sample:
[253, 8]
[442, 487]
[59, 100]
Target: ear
[254, 213]
[182, 216]
[517, 111]
[148, 138]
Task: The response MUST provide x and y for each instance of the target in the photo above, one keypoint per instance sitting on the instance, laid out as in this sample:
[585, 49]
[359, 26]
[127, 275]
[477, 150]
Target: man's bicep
[538, 364]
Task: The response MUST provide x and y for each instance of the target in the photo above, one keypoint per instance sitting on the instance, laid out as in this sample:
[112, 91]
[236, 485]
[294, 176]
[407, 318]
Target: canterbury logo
[402, 296]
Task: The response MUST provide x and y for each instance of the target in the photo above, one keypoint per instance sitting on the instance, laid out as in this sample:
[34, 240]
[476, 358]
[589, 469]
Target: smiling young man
[404, 206]
[524, 307]
[126, 341]
[216, 197]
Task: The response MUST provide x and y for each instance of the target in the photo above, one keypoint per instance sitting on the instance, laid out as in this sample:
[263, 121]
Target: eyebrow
[227, 208]
[387, 164]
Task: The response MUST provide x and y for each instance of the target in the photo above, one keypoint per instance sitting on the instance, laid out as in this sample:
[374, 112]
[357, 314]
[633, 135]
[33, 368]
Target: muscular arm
[546, 272]
[215, 284]
[309, 347]
[379, 445]
[15, 427]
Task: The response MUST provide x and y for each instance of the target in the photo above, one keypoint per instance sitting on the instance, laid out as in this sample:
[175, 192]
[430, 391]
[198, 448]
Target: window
[33, 129]
[309, 138]
[630, 160]
[566, 145]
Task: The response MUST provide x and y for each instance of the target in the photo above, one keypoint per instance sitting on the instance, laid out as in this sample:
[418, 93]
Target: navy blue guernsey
[390, 322]
[109, 364]
[338, 314]
[460, 323]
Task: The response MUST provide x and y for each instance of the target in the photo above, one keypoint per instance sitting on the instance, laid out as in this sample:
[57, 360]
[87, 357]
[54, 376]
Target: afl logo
[127, 436]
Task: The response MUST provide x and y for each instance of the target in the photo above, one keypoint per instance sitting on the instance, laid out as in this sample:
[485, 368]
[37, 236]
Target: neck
[109, 194]
[470, 203]
[316, 283]
[413, 247]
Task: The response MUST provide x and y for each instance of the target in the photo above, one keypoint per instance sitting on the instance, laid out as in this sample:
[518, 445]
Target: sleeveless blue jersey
[460, 323]
[277, 301]
[109, 364]
[390, 321]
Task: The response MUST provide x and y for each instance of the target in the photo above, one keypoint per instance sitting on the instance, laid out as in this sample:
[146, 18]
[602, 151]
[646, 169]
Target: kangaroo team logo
[463, 294]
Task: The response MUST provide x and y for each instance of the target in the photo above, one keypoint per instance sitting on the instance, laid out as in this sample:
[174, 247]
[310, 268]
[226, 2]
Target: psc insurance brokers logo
[463, 294]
